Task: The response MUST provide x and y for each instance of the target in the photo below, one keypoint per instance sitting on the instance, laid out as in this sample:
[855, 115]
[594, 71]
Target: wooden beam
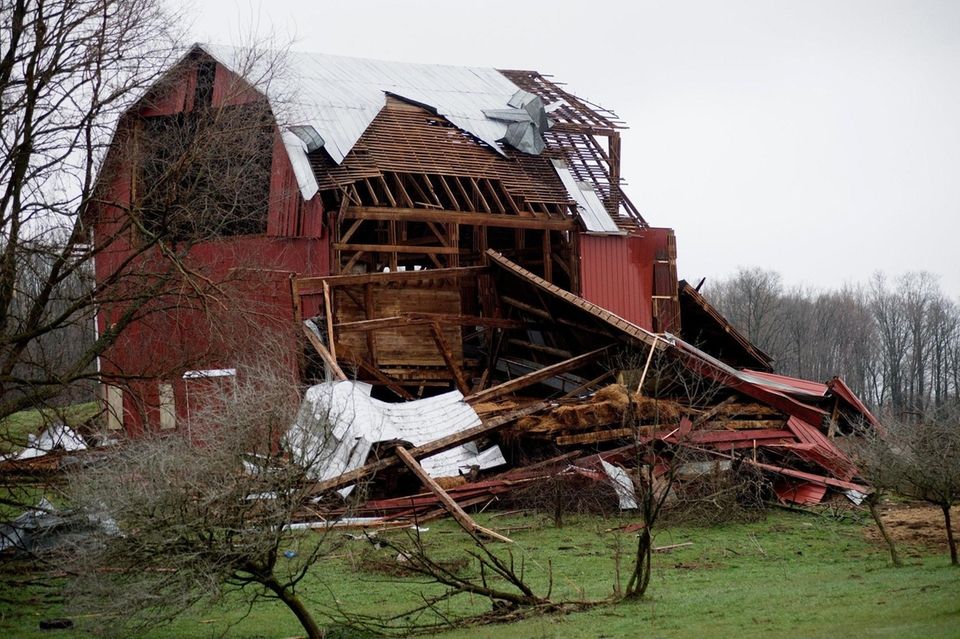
[470, 218]
[428, 449]
[541, 348]
[398, 248]
[595, 437]
[459, 514]
[328, 310]
[535, 377]
[375, 372]
[345, 237]
[410, 319]
[309, 285]
[328, 359]
[588, 384]
[533, 310]
[448, 358]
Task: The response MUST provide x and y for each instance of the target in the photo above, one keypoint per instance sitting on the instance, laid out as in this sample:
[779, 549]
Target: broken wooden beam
[325, 355]
[535, 377]
[376, 373]
[451, 506]
[448, 358]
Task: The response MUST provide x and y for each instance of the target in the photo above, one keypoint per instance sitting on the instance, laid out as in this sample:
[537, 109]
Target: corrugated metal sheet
[589, 207]
[785, 384]
[803, 493]
[339, 422]
[339, 96]
[611, 276]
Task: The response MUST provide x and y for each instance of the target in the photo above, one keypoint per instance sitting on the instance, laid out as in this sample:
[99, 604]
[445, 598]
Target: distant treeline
[896, 342]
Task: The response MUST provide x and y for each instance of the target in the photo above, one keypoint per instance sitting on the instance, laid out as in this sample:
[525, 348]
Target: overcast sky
[820, 139]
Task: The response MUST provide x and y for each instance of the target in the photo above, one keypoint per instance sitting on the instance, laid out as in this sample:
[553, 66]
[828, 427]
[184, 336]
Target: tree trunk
[950, 540]
[294, 604]
[640, 578]
[891, 546]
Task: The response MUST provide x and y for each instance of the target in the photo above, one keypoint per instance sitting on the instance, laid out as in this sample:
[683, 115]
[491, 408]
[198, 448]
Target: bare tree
[201, 514]
[85, 139]
[920, 458]
[67, 70]
[660, 449]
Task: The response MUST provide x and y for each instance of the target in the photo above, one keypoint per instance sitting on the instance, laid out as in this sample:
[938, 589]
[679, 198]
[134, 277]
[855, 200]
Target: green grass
[790, 575]
[15, 428]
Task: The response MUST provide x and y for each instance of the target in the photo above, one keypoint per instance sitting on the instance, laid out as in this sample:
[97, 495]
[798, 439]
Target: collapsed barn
[471, 281]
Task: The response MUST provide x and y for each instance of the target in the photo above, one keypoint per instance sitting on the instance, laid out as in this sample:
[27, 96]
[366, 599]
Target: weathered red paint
[255, 270]
[618, 272]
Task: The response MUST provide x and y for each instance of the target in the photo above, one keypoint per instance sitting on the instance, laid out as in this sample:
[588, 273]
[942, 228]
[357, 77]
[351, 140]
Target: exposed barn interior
[462, 233]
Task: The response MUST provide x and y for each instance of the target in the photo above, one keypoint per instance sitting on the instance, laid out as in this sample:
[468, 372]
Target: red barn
[393, 178]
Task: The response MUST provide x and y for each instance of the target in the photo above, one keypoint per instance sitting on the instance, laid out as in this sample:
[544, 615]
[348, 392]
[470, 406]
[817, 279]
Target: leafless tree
[919, 458]
[201, 514]
[661, 449]
[83, 139]
[896, 342]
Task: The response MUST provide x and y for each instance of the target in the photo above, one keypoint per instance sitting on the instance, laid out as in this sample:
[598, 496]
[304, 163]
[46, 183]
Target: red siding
[617, 272]
[252, 275]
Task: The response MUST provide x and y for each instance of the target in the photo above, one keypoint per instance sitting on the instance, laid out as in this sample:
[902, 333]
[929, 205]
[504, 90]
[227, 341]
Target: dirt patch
[915, 524]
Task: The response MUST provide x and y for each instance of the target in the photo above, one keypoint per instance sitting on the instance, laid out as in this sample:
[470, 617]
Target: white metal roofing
[339, 422]
[589, 207]
[340, 96]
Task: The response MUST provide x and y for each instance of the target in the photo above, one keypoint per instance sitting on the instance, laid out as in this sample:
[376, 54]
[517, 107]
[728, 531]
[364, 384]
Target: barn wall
[632, 276]
[253, 276]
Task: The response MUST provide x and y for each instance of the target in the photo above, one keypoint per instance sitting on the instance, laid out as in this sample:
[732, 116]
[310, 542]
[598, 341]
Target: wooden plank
[327, 357]
[536, 376]
[309, 285]
[452, 507]
[470, 218]
[328, 310]
[375, 372]
[449, 359]
[398, 248]
[595, 437]
[428, 449]
[425, 318]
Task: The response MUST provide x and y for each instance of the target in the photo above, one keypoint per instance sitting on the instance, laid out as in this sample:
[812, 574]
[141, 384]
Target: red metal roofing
[784, 383]
[803, 493]
[823, 452]
[840, 388]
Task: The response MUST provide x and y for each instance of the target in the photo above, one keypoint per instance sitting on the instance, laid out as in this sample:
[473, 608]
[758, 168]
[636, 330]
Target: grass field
[790, 575]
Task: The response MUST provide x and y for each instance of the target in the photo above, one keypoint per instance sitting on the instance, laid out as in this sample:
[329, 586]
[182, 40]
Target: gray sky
[817, 138]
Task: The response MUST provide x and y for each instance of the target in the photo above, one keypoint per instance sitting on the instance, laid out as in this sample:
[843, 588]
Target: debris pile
[555, 386]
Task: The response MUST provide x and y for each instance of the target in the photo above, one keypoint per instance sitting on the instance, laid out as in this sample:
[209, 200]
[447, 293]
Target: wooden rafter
[467, 217]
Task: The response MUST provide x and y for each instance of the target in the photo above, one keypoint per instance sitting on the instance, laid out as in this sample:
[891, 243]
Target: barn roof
[340, 96]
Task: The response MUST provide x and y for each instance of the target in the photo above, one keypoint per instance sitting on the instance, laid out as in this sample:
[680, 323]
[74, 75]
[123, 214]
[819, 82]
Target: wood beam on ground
[458, 513]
